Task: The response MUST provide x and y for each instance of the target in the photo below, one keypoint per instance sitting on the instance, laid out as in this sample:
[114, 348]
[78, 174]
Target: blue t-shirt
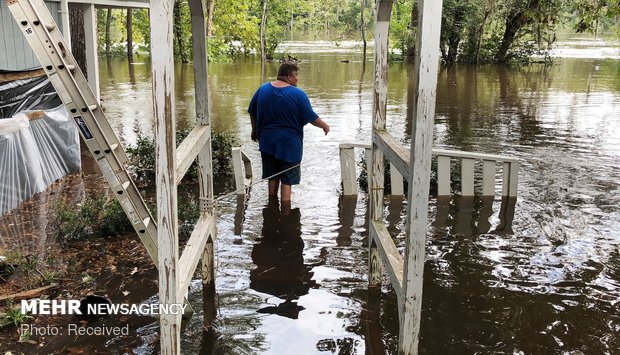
[281, 114]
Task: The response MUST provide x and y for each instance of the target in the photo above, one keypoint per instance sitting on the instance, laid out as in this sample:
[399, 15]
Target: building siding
[15, 53]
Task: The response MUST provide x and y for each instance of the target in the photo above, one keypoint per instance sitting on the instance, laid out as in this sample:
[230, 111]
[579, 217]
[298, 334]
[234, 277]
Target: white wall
[15, 52]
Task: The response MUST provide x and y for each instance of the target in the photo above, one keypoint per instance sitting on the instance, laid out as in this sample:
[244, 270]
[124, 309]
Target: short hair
[287, 68]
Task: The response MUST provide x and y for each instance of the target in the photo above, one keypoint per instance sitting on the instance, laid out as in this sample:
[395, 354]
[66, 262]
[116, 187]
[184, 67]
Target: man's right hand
[254, 136]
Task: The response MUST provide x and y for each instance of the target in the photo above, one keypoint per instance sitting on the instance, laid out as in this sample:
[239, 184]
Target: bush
[94, 216]
[362, 179]
[142, 157]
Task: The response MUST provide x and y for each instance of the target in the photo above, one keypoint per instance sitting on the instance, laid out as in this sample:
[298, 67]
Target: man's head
[288, 72]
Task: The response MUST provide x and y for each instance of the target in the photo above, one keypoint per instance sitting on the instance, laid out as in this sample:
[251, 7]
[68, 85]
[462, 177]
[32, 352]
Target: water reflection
[280, 269]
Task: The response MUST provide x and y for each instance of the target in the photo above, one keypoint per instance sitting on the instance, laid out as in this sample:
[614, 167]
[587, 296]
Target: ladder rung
[113, 146]
[126, 185]
[71, 67]
[50, 26]
[146, 221]
[93, 107]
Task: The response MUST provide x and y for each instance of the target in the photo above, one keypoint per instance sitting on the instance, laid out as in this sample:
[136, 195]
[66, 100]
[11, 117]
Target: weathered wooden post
[205, 166]
[375, 163]
[426, 66]
[165, 157]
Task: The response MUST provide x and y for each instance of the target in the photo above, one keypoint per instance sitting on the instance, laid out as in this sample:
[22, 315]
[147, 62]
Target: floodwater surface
[538, 276]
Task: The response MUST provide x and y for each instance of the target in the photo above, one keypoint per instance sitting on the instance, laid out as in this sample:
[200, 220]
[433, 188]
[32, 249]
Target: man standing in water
[279, 111]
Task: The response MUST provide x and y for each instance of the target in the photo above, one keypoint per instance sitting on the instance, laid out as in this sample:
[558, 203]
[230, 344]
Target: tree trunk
[487, 13]
[517, 18]
[78, 42]
[455, 35]
[178, 33]
[263, 22]
[413, 25]
[108, 21]
[363, 27]
[210, 9]
[130, 34]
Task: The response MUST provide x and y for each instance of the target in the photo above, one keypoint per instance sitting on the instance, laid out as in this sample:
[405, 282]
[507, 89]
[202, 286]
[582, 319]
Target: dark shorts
[272, 166]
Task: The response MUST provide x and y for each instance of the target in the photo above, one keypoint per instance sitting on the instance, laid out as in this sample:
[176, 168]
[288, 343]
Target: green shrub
[94, 216]
[362, 179]
[14, 314]
[114, 220]
[142, 157]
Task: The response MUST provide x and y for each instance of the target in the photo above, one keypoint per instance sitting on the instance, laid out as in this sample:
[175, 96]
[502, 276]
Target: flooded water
[544, 277]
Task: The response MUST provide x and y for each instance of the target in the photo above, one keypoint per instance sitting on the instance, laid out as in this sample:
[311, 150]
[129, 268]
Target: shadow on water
[280, 270]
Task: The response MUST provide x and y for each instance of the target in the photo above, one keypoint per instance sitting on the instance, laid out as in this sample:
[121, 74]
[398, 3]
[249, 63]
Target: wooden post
[205, 167]
[443, 175]
[375, 165]
[165, 156]
[488, 178]
[92, 60]
[64, 19]
[347, 170]
[467, 177]
[426, 64]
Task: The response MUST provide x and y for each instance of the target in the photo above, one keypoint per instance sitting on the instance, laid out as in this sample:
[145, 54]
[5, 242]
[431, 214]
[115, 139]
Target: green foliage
[595, 15]
[114, 220]
[142, 157]
[14, 314]
[31, 270]
[402, 31]
[222, 144]
[362, 178]
[473, 31]
[94, 216]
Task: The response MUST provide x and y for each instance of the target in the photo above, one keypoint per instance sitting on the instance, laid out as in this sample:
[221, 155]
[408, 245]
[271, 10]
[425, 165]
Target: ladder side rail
[133, 204]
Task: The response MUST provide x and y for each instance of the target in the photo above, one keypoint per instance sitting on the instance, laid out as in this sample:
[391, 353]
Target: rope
[234, 192]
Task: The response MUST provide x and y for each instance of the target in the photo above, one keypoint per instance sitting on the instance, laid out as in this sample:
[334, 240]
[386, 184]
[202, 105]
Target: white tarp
[35, 153]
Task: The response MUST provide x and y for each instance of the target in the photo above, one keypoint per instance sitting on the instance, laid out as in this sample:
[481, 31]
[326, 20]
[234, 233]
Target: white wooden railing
[242, 167]
[510, 170]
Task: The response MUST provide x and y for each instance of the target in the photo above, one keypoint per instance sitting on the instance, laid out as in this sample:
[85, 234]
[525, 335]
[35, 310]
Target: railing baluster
[467, 177]
[443, 175]
[488, 178]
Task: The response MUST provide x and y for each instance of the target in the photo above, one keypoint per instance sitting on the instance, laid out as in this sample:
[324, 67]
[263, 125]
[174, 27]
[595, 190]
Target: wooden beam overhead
[119, 4]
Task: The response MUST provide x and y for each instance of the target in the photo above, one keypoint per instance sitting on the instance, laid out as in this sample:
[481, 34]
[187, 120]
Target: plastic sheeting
[33, 153]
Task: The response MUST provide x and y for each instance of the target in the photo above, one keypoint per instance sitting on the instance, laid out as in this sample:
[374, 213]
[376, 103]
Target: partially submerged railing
[468, 160]
[242, 167]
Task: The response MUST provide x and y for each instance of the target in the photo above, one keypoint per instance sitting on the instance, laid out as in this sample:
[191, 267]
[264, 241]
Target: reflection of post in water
[471, 215]
[506, 215]
[463, 219]
[484, 213]
[132, 72]
[346, 217]
[441, 217]
[240, 214]
[395, 207]
[280, 269]
[209, 334]
[359, 93]
[371, 316]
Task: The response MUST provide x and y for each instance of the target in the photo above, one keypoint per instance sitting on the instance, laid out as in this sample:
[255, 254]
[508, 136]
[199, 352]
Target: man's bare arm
[321, 124]
[254, 134]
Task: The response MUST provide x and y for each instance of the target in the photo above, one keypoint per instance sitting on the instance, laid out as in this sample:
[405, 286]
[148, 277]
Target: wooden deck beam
[389, 254]
[190, 147]
[394, 151]
[193, 251]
